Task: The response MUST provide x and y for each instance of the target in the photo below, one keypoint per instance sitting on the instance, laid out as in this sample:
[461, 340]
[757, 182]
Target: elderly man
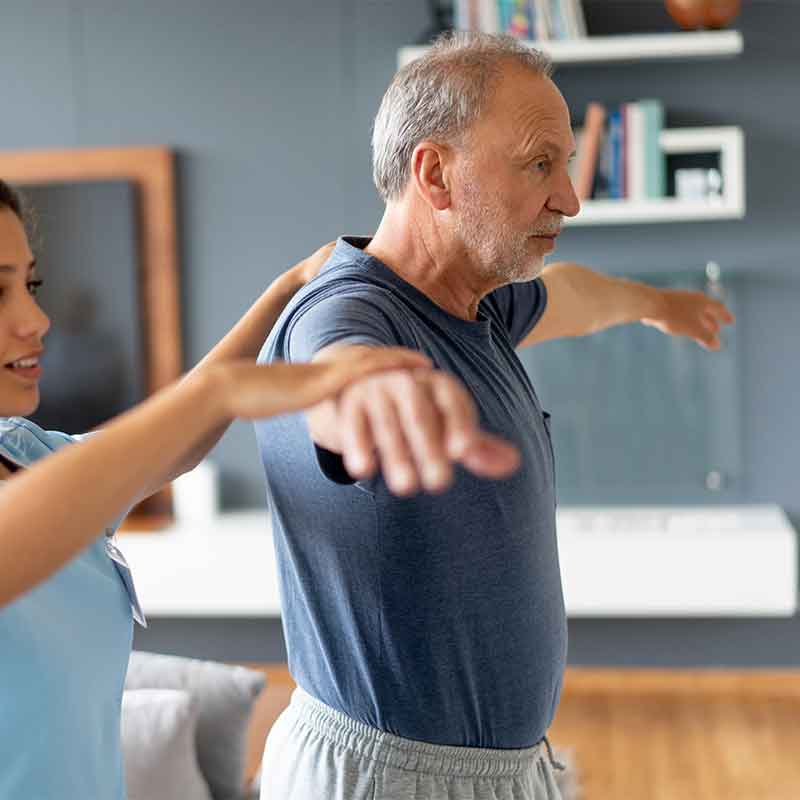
[417, 550]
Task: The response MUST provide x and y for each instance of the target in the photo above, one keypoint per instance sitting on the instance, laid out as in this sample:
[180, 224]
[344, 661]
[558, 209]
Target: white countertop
[625, 561]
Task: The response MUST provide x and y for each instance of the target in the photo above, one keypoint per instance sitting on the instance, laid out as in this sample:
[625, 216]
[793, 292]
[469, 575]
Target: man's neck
[418, 255]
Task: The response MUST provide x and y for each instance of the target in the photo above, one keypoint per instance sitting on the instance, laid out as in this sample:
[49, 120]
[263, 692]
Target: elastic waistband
[408, 754]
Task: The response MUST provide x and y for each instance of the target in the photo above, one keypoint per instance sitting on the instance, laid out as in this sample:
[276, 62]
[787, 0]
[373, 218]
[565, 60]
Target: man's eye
[34, 286]
[541, 165]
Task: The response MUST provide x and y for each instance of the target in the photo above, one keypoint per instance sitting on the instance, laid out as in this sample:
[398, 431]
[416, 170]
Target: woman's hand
[308, 269]
[252, 391]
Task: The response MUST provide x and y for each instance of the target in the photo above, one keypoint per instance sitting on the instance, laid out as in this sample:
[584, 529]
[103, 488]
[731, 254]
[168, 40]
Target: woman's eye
[33, 287]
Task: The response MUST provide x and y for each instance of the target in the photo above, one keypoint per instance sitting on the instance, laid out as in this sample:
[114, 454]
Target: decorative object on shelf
[693, 15]
[698, 184]
[195, 494]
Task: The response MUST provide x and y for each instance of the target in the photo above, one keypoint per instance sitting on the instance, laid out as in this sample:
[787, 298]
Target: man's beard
[499, 250]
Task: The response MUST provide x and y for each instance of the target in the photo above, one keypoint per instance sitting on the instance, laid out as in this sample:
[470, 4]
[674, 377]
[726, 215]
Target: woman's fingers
[310, 266]
[349, 365]
[413, 423]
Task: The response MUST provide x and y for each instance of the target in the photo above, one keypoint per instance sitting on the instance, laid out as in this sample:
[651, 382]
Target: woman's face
[22, 323]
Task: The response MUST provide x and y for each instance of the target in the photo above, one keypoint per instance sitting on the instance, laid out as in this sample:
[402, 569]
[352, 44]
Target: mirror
[106, 222]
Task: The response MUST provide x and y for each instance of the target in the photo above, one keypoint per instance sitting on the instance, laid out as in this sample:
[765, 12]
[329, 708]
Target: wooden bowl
[694, 14]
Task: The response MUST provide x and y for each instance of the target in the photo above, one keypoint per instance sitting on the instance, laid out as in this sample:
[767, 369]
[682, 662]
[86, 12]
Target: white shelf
[624, 212]
[684, 562]
[627, 48]
[728, 141]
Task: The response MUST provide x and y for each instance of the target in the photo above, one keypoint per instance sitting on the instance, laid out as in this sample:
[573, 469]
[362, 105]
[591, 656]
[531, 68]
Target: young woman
[66, 595]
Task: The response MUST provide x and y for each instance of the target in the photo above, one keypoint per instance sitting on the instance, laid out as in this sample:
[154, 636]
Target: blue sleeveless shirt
[64, 648]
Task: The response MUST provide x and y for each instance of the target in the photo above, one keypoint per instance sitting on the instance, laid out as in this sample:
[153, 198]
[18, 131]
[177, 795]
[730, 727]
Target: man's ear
[429, 174]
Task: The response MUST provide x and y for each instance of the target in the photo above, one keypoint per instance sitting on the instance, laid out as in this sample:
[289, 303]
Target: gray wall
[270, 106]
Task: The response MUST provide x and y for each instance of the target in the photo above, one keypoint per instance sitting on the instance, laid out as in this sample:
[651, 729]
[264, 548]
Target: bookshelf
[627, 48]
[728, 141]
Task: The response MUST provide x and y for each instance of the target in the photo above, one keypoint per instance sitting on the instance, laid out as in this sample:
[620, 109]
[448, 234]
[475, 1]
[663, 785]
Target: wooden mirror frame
[151, 171]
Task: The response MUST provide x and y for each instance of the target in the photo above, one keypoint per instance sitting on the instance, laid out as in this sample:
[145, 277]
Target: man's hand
[692, 314]
[414, 424]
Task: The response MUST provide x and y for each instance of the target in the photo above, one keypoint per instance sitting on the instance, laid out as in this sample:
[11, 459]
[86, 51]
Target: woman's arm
[51, 511]
[244, 340]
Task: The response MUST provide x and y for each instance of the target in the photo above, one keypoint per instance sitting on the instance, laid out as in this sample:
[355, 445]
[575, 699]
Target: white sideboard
[724, 561]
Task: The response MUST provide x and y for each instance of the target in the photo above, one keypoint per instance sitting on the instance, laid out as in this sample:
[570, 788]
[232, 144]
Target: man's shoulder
[344, 298]
[516, 306]
[341, 290]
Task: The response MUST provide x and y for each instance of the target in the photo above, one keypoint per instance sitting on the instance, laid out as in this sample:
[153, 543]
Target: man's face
[512, 188]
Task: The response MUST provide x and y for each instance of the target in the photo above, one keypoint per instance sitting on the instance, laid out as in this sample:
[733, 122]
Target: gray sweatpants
[317, 753]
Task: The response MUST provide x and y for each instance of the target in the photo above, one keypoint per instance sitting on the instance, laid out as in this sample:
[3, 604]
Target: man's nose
[564, 200]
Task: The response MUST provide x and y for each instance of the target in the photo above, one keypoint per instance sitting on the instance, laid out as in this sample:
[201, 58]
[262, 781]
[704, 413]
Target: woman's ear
[429, 174]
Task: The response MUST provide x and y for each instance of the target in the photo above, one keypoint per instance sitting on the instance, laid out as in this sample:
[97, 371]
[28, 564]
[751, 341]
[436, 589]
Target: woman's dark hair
[10, 199]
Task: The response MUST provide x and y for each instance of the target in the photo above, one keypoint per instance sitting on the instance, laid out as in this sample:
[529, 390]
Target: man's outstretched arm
[581, 301]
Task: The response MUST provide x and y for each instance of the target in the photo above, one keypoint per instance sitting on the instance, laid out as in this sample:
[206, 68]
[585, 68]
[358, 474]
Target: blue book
[616, 178]
[602, 176]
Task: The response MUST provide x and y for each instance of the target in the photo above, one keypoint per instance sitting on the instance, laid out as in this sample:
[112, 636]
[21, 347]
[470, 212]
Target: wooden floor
[655, 734]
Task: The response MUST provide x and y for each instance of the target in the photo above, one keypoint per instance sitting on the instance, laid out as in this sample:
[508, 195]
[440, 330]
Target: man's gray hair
[439, 96]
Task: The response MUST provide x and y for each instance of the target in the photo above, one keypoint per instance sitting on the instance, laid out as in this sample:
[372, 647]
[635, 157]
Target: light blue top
[64, 649]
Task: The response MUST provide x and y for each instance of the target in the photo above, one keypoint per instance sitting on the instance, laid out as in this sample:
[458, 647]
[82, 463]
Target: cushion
[158, 732]
[224, 696]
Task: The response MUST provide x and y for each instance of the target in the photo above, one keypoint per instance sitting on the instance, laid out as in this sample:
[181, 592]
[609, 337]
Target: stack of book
[534, 20]
[618, 154]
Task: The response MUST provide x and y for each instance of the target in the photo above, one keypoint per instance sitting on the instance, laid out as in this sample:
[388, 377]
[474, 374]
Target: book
[601, 189]
[570, 14]
[580, 18]
[489, 16]
[655, 168]
[588, 150]
[516, 19]
[616, 168]
[557, 25]
[542, 19]
[466, 17]
[635, 152]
